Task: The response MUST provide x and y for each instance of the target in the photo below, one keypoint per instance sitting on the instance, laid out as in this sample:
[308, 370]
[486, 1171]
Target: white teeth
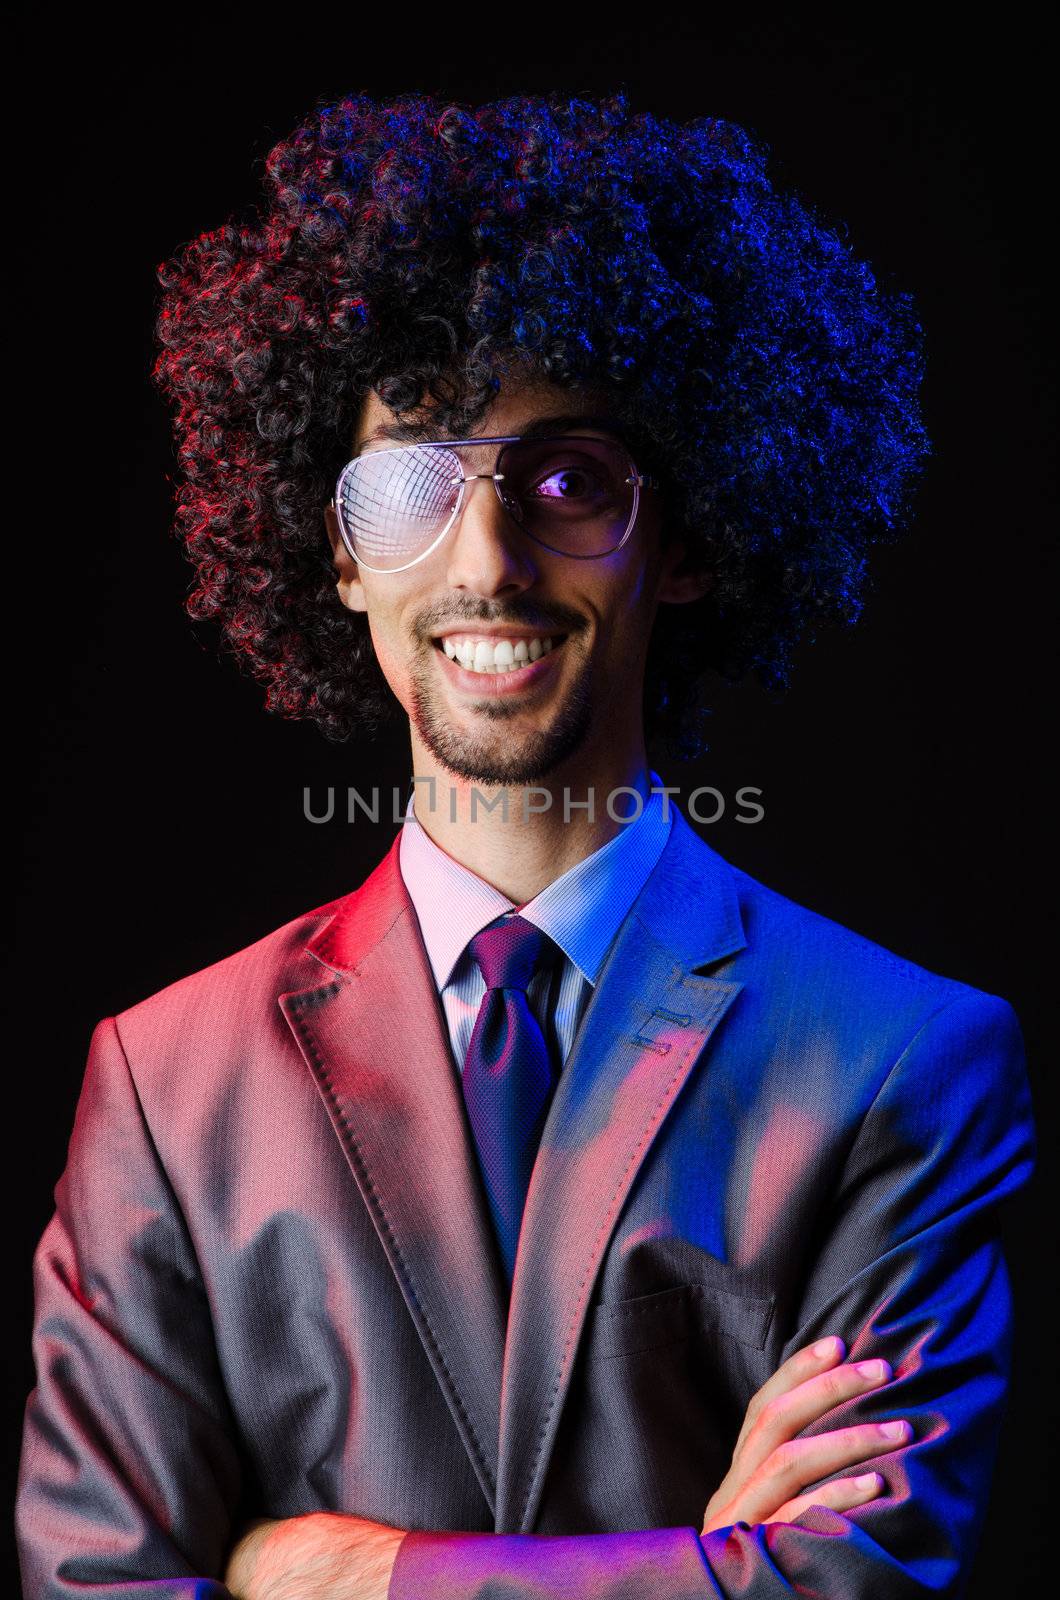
[494, 655]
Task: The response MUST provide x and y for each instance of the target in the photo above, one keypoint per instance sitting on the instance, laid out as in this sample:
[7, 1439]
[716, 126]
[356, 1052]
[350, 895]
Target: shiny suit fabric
[269, 1286]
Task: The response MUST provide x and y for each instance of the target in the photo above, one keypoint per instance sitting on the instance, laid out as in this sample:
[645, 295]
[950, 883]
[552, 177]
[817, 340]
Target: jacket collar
[374, 1036]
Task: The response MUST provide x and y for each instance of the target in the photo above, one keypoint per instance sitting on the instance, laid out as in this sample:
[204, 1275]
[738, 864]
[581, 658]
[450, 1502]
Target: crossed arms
[339, 1557]
[131, 1472]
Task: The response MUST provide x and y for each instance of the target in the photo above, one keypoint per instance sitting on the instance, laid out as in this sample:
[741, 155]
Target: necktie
[508, 1075]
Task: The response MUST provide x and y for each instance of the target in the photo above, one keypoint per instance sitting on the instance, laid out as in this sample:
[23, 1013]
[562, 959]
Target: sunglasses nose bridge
[469, 477]
[510, 505]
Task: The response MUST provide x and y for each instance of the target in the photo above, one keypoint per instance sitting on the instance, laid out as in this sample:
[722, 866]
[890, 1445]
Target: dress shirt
[581, 910]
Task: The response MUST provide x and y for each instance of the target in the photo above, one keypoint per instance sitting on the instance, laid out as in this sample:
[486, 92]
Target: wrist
[240, 1573]
[322, 1556]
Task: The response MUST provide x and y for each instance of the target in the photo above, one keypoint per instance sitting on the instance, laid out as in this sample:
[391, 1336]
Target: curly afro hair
[423, 248]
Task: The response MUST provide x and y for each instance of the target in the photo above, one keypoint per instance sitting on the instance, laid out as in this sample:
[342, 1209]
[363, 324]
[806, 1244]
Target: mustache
[558, 621]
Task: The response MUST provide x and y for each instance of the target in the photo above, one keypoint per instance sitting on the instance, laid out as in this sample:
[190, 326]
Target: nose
[488, 554]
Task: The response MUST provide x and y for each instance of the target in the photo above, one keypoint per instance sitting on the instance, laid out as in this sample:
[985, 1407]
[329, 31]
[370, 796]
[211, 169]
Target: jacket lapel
[641, 1036]
[374, 1036]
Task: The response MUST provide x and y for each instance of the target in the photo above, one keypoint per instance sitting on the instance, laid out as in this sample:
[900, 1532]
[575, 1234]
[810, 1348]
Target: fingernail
[825, 1347]
[868, 1480]
[872, 1369]
[894, 1430]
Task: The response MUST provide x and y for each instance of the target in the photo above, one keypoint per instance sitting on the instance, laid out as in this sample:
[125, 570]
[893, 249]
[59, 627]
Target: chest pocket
[691, 1310]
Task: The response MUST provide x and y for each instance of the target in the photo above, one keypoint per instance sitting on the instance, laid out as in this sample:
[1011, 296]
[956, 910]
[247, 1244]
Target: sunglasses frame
[638, 480]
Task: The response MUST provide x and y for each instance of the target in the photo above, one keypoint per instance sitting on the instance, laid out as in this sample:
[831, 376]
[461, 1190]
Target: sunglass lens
[574, 494]
[395, 502]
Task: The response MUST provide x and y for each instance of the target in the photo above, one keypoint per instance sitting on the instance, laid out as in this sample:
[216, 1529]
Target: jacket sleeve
[129, 1475]
[909, 1267]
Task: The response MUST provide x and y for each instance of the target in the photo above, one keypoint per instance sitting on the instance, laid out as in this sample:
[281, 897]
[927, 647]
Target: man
[504, 1226]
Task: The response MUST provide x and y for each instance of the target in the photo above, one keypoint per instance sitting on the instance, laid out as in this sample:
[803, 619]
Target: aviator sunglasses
[575, 495]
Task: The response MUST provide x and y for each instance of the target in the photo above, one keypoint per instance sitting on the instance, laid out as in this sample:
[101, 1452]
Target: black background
[902, 777]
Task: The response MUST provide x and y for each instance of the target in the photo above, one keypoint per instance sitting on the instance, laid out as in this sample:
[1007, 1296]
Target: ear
[678, 585]
[350, 587]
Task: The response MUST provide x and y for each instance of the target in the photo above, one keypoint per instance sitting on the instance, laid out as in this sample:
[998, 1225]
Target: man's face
[488, 580]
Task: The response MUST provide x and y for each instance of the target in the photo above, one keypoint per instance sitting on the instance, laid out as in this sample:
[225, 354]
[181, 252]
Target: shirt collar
[581, 910]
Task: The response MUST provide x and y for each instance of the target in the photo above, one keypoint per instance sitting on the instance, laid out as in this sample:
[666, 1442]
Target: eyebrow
[539, 428]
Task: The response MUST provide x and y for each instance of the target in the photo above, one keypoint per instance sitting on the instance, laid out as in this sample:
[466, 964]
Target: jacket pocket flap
[647, 1320]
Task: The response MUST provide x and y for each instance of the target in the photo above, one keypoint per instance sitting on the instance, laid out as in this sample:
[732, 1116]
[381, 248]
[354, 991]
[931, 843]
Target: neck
[515, 836]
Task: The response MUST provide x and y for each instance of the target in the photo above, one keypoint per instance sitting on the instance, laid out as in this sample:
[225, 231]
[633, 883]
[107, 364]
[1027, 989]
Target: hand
[770, 1467]
[322, 1556]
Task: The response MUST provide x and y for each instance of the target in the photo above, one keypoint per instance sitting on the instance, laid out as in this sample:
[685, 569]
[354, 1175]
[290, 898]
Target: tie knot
[509, 951]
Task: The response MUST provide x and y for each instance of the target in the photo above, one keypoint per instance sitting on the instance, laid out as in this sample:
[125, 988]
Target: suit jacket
[270, 1287]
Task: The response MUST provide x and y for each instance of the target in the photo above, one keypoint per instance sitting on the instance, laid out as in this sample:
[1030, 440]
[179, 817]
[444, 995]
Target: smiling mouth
[500, 655]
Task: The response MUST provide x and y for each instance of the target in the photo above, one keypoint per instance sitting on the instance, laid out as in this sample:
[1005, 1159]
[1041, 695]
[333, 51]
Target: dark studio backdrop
[901, 777]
